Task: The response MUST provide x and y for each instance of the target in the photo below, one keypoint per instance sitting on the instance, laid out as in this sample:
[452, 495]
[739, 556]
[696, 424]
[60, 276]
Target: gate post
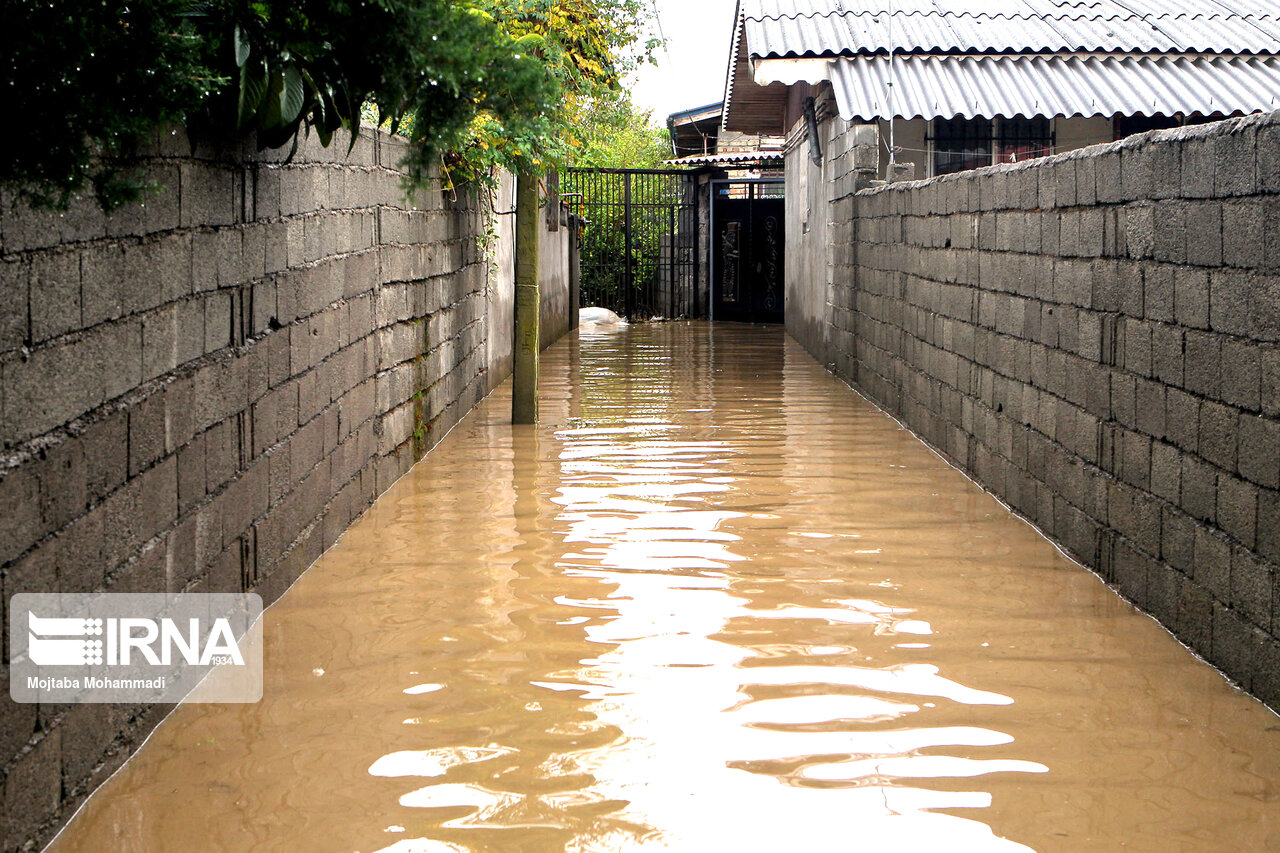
[575, 270]
[524, 395]
[628, 298]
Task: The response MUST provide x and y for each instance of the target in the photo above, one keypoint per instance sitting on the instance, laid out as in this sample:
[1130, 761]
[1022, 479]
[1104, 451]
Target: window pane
[960, 144]
[1023, 139]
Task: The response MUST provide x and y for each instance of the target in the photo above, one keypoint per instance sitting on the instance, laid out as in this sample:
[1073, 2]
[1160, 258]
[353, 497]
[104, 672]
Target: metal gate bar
[640, 246]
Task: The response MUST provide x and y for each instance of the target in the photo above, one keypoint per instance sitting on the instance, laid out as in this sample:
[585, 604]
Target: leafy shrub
[84, 81]
[487, 82]
[89, 80]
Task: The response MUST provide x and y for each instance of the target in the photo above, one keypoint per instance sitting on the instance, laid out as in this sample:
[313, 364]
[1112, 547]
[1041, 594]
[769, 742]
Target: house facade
[1093, 336]
[960, 84]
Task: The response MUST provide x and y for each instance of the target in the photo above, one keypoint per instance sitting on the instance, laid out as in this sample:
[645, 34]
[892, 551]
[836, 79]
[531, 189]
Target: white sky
[690, 73]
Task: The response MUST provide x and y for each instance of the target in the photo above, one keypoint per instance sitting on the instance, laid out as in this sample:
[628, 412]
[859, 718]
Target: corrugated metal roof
[778, 28]
[969, 86]
[746, 158]
[761, 9]
[834, 35]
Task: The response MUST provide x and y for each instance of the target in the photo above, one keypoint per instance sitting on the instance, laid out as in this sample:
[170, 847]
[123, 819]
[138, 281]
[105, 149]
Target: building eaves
[988, 86]
[799, 28]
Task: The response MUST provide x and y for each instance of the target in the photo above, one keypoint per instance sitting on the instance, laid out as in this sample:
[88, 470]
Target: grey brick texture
[1105, 360]
[202, 393]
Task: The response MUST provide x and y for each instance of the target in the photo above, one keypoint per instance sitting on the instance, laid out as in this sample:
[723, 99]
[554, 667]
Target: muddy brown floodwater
[716, 602]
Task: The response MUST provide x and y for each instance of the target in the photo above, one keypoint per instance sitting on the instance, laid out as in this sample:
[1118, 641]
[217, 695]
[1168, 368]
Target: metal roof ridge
[1042, 16]
[738, 38]
[1154, 26]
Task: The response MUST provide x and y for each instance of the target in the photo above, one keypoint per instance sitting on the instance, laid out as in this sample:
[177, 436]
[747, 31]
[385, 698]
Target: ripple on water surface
[715, 602]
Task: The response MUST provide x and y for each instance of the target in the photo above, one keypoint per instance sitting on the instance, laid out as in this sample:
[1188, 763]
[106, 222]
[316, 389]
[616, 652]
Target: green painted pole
[524, 398]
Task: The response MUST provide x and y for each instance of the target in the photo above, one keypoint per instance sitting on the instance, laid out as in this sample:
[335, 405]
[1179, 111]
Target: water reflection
[715, 602]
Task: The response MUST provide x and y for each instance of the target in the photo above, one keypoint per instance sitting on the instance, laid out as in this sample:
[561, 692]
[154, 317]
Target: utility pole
[524, 397]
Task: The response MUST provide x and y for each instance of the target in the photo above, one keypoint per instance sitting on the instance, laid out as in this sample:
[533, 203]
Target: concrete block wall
[201, 393]
[818, 213]
[1096, 338]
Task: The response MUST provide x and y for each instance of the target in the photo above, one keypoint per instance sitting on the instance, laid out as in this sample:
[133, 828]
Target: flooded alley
[715, 602]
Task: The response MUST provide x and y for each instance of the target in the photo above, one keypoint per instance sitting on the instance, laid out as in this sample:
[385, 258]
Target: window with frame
[962, 143]
[1021, 139]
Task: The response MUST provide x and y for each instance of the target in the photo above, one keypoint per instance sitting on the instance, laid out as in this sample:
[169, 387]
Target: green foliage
[429, 68]
[585, 47]
[84, 82]
[486, 82]
[613, 134]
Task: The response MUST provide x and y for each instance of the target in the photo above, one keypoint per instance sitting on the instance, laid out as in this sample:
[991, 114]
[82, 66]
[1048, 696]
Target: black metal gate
[748, 262]
[639, 248]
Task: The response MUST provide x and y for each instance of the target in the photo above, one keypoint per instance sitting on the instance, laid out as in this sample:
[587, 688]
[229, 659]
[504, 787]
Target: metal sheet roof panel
[784, 28]
[988, 86]
[866, 34]
[765, 9]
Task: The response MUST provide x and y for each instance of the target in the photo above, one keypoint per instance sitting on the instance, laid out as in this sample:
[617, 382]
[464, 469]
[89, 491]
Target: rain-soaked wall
[1094, 337]
[203, 392]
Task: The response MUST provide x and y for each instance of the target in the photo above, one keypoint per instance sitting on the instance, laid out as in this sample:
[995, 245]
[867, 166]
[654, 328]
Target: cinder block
[1136, 171]
[1218, 428]
[1167, 357]
[1166, 471]
[1140, 230]
[106, 452]
[1136, 463]
[1151, 408]
[1243, 238]
[1170, 232]
[1199, 489]
[55, 298]
[1132, 572]
[1050, 233]
[159, 342]
[1236, 645]
[1269, 524]
[148, 432]
[1202, 361]
[1158, 292]
[1266, 678]
[208, 195]
[1177, 539]
[217, 321]
[1238, 509]
[1086, 181]
[1268, 158]
[1166, 170]
[1191, 297]
[102, 279]
[1241, 374]
[1271, 231]
[1164, 593]
[1259, 450]
[1204, 234]
[1232, 302]
[1213, 564]
[1235, 154]
[1063, 179]
[191, 473]
[87, 734]
[33, 790]
[1108, 177]
[1199, 162]
[141, 510]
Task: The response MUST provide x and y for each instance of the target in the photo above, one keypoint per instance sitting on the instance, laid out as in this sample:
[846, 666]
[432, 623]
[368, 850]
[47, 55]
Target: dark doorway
[747, 251]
